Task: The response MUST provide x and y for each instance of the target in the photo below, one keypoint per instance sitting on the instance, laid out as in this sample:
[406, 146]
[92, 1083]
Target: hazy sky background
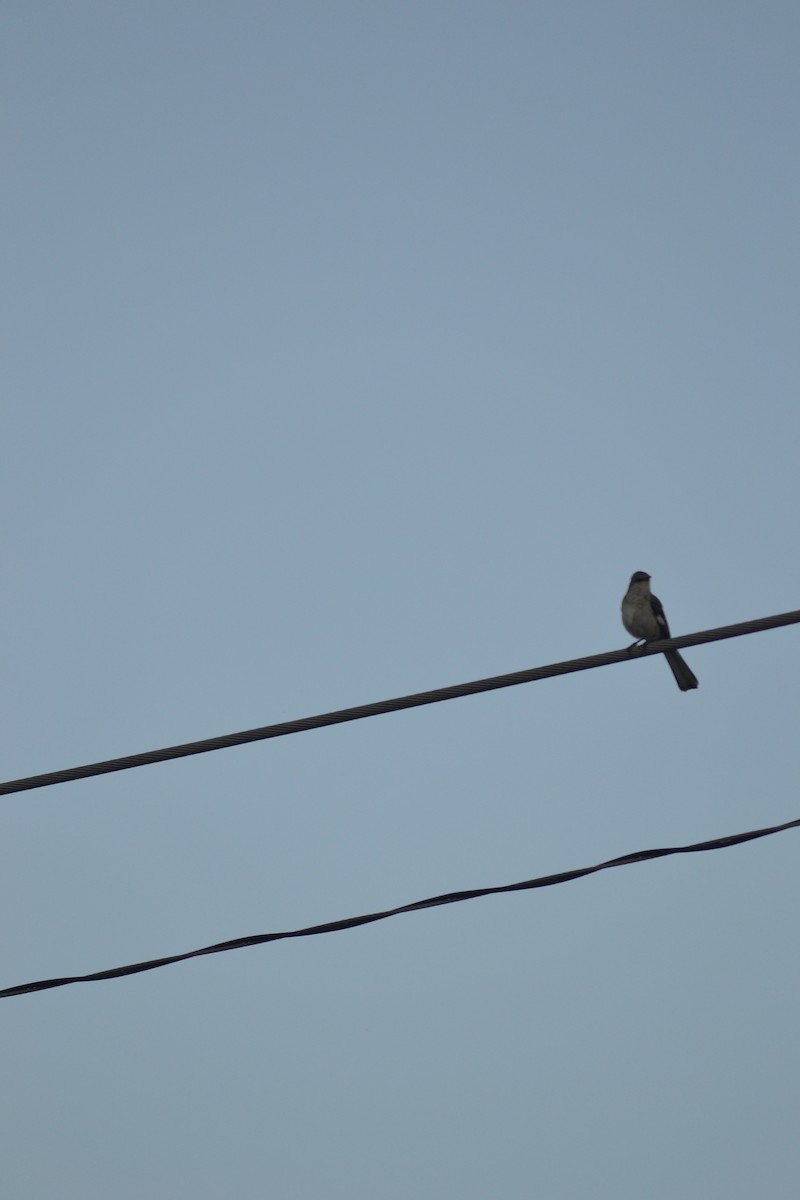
[355, 349]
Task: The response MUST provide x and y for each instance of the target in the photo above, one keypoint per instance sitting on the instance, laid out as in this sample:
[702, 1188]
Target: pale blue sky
[355, 349]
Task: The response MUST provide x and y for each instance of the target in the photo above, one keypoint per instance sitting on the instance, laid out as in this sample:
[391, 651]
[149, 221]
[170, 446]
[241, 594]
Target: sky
[353, 350]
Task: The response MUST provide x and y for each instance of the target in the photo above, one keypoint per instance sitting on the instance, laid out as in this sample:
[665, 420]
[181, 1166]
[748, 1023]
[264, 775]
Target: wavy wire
[258, 939]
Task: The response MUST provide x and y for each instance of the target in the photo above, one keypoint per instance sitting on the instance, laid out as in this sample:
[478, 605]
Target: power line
[542, 881]
[396, 705]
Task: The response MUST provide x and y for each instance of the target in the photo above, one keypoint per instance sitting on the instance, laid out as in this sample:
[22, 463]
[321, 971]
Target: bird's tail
[684, 675]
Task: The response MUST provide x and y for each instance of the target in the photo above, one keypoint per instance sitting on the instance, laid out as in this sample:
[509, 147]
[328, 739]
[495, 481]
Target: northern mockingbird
[643, 616]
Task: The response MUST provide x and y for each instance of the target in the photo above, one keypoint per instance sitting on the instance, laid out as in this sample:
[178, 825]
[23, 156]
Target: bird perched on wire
[643, 616]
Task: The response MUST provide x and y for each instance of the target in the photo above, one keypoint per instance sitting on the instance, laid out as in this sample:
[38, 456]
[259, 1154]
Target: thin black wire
[258, 939]
[386, 706]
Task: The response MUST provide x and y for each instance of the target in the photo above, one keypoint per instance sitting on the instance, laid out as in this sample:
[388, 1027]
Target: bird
[643, 616]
